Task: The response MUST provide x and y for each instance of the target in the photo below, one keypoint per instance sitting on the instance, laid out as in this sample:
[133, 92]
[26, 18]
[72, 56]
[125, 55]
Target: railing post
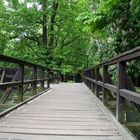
[105, 79]
[84, 81]
[105, 70]
[88, 77]
[89, 82]
[20, 87]
[86, 74]
[96, 85]
[92, 77]
[42, 77]
[34, 84]
[48, 76]
[121, 83]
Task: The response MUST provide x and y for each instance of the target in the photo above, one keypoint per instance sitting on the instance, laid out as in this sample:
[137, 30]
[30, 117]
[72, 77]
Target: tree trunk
[52, 22]
[44, 24]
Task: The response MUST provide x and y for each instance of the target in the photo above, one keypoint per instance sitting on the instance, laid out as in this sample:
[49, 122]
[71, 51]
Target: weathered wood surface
[67, 112]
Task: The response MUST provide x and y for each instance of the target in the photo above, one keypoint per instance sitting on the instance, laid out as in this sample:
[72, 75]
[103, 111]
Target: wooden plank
[10, 84]
[2, 76]
[57, 122]
[6, 136]
[95, 119]
[17, 61]
[58, 116]
[111, 87]
[133, 124]
[72, 132]
[64, 113]
[130, 95]
[68, 127]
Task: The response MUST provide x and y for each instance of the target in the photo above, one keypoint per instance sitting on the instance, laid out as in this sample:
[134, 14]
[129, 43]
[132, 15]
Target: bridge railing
[39, 74]
[98, 79]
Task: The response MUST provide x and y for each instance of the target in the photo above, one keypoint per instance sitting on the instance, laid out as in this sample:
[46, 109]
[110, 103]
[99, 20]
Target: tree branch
[67, 43]
[33, 39]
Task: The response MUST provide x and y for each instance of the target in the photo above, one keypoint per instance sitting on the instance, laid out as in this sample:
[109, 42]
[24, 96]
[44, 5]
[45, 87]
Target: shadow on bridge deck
[69, 111]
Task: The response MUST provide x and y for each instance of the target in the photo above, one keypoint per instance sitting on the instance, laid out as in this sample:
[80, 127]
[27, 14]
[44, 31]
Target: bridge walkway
[69, 111]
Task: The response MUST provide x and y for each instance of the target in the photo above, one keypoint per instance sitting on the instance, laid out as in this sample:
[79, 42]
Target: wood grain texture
[67, 112]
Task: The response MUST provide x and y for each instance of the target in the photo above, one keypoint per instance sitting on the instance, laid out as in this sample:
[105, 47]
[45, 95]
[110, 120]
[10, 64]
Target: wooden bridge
[69, 110]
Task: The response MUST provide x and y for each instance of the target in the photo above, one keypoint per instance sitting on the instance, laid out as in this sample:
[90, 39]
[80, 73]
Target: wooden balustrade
[20, 82]
[123, 89]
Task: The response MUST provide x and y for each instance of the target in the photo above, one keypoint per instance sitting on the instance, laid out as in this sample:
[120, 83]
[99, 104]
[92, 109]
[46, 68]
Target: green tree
[45, 32]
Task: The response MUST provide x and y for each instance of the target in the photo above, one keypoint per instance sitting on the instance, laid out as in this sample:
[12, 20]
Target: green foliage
[94, 21]
[135, 7]
[22, 26]
[114, 26]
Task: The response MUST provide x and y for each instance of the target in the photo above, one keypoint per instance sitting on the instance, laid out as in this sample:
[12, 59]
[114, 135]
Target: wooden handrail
[101, 83]
[20, 74]
[127, 56]
[20, 62]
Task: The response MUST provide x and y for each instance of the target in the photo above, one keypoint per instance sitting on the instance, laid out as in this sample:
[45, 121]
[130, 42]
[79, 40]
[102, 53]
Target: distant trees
[45, 31]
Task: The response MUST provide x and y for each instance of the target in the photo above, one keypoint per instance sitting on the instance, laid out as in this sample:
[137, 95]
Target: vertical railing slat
[105, 80]
[97, 78]
[42, 77]
[121, 83]
[34, 83]
[20, 87]
[48, 76]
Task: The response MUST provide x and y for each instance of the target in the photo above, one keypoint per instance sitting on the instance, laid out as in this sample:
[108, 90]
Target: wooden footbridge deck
[69, 111]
